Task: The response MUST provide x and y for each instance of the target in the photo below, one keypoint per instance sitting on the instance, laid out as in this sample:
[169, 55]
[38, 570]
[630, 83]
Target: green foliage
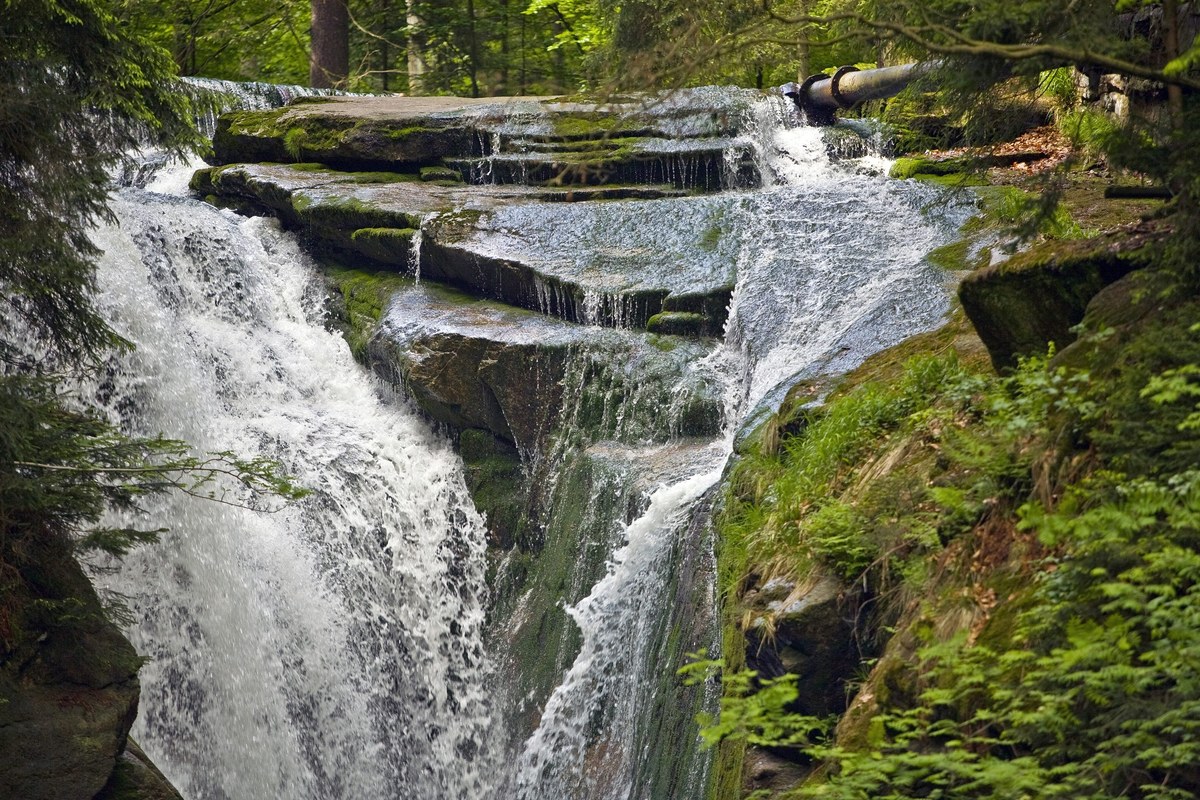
[804, 506]
[1097, 695]
[753, 709]
[1085, 682]
[263, 40]
[1090, 130]
[80, 88]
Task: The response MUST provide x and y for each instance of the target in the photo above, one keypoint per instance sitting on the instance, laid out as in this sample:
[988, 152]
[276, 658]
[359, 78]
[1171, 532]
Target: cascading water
[335, 648]
[830, 268]
[330, 649]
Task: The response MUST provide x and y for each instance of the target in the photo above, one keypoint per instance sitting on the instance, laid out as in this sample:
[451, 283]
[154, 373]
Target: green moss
[951, 257]
[382, 177]
[201, 181]
[387, 245]
[410, 132]
[346, 213]
[310, 166]
[441, 175]
[364, 296]
[946, 172]
[711, 238]
[262, 124]
[592, 125]
[677, 323]
[496, 481]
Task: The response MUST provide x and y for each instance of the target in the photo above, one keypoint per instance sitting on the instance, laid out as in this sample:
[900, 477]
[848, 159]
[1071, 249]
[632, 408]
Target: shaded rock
[68, 682]
[804, 631]
[471, 363]
[1021, 305]
[496, 480]
[136, 778]
[764, 770]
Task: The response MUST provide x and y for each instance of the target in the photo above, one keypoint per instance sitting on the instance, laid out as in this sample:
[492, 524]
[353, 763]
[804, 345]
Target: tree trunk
[416, 51]
[330, 44]
[803, 53]
[472, 49]
[502, 73]
[1170, 10]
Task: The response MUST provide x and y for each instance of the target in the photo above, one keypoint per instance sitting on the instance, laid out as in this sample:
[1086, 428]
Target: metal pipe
[820, 96]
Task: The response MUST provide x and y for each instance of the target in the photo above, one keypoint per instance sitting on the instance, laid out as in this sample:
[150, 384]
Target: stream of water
[335, 648]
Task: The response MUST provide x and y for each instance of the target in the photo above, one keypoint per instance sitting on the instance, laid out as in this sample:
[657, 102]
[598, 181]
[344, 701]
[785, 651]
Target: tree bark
[416, 51]
[472, 49]
[330, 44]
[1170, 9]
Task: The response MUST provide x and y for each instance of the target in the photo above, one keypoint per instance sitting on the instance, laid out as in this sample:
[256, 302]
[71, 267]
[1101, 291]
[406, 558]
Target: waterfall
[338, 647]
[830, 269]
[330, 649]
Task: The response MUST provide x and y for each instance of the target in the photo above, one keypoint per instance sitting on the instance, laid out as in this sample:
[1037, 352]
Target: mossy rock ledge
[1021, 305]
[500, 243]
[681, 139]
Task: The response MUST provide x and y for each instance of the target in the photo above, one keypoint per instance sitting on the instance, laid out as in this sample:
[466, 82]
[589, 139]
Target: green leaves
[62, 469]
[753, 709]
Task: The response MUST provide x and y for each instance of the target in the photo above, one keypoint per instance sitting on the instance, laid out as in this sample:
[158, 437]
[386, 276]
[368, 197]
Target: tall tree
[330, 66]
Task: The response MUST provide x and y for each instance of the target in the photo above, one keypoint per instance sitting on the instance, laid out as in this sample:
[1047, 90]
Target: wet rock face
[136, 778]
[579, 261]
[475, 364]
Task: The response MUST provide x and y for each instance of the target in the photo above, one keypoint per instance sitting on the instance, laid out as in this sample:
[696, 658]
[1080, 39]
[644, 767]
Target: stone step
[512, 243]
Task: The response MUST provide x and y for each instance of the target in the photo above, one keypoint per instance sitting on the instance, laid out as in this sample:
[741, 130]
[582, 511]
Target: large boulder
[472, 363]
[805, 630]
[1021, 305]
[68, 682]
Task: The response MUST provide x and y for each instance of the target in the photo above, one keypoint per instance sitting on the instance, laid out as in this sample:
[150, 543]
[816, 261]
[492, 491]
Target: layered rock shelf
[508, 199]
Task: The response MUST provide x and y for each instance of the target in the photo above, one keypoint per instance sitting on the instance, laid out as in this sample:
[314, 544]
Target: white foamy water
[330, 649]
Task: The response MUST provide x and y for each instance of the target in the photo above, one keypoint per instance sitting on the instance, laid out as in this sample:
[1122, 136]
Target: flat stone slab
[599, 263]
[472, 363]
[686, 138]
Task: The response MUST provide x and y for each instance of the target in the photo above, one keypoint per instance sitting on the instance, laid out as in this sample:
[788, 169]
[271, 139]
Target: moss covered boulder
[1036, 297]
[68, 680]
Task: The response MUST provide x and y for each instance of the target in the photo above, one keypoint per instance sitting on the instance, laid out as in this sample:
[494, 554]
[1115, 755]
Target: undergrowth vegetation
[1031, 546]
